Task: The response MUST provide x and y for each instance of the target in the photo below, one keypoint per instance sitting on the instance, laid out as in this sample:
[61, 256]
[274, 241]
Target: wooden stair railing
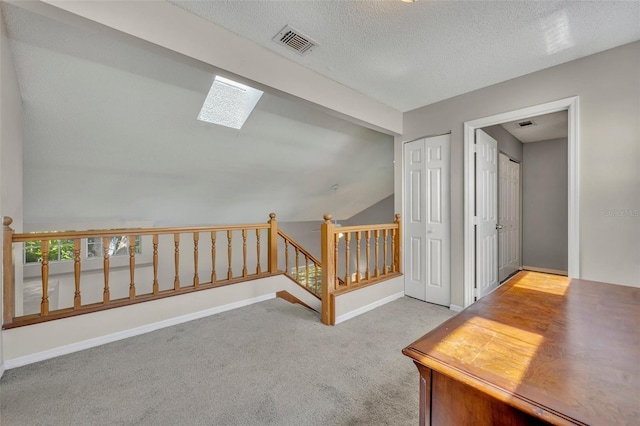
[242, 270]
[301, 266]
[374, 252]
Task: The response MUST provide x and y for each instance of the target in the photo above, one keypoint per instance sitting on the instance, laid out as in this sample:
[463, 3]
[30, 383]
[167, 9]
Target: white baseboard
[370, 306]
[90, 343]
[2, 369]
[545, 270]
[456, 308]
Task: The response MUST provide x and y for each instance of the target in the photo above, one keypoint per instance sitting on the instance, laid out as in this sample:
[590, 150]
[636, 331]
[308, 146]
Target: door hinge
[476, 220]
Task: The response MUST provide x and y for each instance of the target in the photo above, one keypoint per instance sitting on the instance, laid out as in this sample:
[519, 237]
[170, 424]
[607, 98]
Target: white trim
[369, 307]
[90, 343]
[545, 270]
[2, 370]
[456, 308]
[571, 105]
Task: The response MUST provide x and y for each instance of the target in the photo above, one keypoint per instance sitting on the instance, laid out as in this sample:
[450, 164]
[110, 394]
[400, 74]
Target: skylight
[229, 103]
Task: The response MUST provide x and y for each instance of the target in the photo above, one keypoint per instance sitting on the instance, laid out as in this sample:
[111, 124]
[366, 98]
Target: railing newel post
[328, 270]
[398, 248]
[273, 244]
[8, 275]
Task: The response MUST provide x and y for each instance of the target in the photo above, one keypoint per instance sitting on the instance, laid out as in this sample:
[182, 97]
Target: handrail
[295, 244]
[347, 251]
[128, 268]
[68, 235]
[310, 277]
[373, 252]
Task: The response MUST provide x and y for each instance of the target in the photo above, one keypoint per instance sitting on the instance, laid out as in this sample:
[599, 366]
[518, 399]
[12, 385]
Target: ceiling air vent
[295, 40]
[526, 123]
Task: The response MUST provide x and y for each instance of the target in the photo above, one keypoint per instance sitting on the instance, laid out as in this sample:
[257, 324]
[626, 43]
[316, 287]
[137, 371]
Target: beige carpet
[272, 363]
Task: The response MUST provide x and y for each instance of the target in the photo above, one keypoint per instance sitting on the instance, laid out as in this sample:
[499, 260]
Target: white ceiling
[110, 132]
[412, 54]
[544, 127]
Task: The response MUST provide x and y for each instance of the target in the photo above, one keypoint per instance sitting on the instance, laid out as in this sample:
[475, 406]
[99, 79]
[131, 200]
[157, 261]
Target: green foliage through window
[61, 250]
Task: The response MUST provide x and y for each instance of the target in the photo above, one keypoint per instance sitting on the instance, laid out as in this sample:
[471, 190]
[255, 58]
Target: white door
[486, 213]
[508, 217]
[427, 221]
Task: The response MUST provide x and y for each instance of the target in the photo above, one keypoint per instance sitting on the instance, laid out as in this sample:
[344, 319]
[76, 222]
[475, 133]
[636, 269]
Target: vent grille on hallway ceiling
[295, 40]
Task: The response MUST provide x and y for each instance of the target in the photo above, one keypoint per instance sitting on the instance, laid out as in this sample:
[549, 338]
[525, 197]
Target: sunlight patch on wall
[229, 103]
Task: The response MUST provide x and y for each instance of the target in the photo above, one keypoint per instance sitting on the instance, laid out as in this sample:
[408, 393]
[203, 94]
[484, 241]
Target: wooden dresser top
[564, 350]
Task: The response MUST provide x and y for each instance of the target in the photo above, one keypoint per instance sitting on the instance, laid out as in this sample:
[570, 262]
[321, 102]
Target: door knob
[498, 226]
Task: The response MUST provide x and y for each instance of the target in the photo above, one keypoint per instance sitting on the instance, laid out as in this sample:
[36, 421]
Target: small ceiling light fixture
[409, 1]
[229, 103]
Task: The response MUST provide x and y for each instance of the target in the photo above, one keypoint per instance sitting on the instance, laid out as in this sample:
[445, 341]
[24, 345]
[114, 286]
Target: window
[312, 281]
[62, 250]
[118, 246]
[229, 103]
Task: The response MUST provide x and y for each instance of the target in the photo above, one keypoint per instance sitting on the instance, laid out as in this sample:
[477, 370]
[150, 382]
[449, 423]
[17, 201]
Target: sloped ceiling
[111, 133]
[408, 55]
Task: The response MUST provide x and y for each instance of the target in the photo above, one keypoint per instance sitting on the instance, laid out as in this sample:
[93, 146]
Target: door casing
[571, 105]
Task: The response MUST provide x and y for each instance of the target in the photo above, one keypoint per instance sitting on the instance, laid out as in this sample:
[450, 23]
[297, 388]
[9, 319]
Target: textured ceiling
[110, 132]
[544, 128]
[412, 54]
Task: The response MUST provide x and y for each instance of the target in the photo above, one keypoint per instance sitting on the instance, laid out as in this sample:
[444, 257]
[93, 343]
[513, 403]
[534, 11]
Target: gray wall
[609, 91]
[507, 143]
[307, 234]
[10, 144]
[544, 204]
[380, 212]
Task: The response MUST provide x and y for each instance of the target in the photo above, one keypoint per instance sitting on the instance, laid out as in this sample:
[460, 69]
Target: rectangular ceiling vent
[295, 40]
[526, 123]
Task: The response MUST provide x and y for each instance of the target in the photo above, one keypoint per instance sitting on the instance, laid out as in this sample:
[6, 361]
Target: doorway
[474, 258]
[427, 224]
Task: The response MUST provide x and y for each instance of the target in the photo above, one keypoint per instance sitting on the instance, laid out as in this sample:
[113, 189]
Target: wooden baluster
[156, 286]
[77, 301]
[229, 239]
[258, 269]
[44, 305]
[328, 271]
[376, 272]
[306, 271]
[176, 257]
[213, 257]
[393, 250]
[244, 252]
[317, 271]
[106, 296]
[398, 249]
[358, 257]
[196, 279]
[336, 240]
[367, 237]
[297, 266]
[8, 277]
[286, 258]
[385, 269]
[273, 243]
[347, 241]
[132, 266]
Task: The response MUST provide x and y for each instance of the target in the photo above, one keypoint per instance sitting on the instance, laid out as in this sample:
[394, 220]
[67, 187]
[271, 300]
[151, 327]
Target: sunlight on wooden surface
[493, 347]
[552, 284]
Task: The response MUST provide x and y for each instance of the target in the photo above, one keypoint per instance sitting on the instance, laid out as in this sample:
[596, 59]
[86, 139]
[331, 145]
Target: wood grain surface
[560, 350]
